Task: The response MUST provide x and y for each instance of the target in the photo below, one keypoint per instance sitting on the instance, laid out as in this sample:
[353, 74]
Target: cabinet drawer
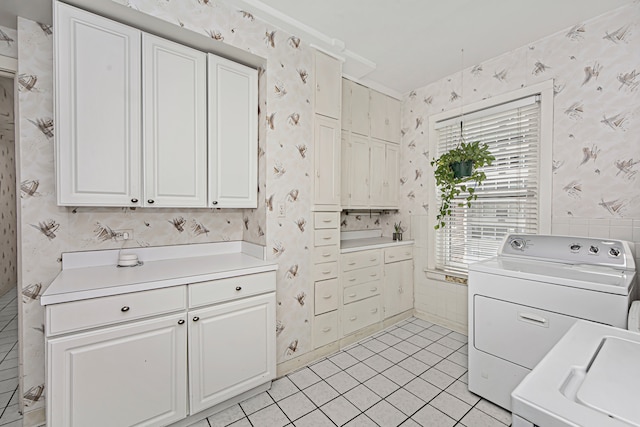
[360, 314]
[91, 313]
[362, 259]
[360, 292]
[326, 296]
[327, 237]
[400, 253]
[326, 220]
[214, 291]
[325, 254]
[325, 329]
[327, 270]
[357, 277]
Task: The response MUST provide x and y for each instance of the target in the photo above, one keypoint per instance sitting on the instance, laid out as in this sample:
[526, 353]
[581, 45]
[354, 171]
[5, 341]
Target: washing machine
[522, 302]
[589, 379]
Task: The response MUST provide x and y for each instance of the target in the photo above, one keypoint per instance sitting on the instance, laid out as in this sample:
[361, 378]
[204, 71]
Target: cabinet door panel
[175, 139]
[378, 108]
[233, 134]
[360, 109]
[98, 110]
[327, 162]
[393, 114]
[398, 287]
[359, 171]
[377, 173]
[345, 170]
[231, 349]
[131, 375]
[391, 181]
[328, 86]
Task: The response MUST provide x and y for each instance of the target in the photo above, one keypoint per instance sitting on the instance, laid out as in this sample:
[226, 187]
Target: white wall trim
[8, 66]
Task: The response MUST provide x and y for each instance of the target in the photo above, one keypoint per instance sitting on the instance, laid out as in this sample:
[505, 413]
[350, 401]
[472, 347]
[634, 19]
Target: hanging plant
[455, 170]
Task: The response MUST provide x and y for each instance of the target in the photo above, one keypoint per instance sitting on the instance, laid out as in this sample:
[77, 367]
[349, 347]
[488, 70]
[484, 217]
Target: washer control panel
[570, 250]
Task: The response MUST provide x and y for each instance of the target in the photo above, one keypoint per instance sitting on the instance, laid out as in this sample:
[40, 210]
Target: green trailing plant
[397, 226]
[451, 186]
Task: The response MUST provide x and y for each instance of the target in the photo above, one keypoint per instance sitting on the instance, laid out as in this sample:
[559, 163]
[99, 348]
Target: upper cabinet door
[359, 109]
[393, 113]
[377, 173]
[385, 117]
[233, 134]
[327, 152]
[97, 110]
[391, 181]
[175, 127]
[328, 86]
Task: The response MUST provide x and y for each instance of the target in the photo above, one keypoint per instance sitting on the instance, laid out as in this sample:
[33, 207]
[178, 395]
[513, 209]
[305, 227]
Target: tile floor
[413, 373]
[9, 415]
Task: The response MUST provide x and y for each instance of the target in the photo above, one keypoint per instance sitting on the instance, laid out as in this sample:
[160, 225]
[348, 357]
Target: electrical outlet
[282, 210]
[122, 235]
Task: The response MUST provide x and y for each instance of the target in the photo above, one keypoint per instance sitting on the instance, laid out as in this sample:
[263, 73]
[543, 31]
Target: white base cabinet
[231, 350]
[398, 280]
[129, 375]
[142, 359]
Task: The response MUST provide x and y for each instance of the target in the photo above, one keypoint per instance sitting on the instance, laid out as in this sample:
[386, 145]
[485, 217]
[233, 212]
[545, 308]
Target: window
[515, 196]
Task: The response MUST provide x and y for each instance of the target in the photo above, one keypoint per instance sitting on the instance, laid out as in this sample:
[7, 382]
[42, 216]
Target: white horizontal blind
[508, 200]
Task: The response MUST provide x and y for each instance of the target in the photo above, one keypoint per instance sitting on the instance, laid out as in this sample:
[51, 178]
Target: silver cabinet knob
[238, 288]
[150, 201]
[181, 322]
[134, 200]
[215, 202]
[125, 308]
[196, 318]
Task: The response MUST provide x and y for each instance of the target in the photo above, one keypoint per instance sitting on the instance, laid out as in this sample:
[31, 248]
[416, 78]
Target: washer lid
[584, 276]
[588, 379]
[611, 382]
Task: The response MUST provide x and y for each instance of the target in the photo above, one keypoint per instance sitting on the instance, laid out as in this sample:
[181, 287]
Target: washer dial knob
[614, 252]
[575, 247]
[518, 244]
[594, 249]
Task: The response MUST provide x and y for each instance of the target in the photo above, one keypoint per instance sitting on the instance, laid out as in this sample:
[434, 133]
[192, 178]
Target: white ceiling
[399, 45]
[416, 42]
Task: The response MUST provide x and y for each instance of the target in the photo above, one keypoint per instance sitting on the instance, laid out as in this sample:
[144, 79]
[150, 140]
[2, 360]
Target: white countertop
[353, 241]
[73, 284]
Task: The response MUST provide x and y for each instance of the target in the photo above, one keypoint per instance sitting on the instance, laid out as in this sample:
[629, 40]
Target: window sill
[455, 278]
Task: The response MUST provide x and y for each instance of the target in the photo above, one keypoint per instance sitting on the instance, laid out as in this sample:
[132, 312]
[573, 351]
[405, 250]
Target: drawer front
[95, 312]
[360, 314]
[325, 329]
[400, 253]
[364, 275]
[325, 254]
[326, 296]
[327, 270]
[517, 333]
[360, 292]
[215, 291]
[327, 237]
[326, 220]
[355, 260]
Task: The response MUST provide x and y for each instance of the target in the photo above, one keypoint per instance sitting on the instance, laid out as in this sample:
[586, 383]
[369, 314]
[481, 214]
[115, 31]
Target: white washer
[589, 379]
[525, 299]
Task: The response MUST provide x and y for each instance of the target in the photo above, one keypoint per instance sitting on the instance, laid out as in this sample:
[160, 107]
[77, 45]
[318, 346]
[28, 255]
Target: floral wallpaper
[8, 242]
[285, 166]
[596, 72]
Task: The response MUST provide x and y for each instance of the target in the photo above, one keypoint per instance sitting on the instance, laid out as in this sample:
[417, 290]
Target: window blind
[508, 200]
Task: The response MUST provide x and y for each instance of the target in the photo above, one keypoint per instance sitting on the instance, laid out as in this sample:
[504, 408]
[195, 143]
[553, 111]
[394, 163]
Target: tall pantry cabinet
[147, 122]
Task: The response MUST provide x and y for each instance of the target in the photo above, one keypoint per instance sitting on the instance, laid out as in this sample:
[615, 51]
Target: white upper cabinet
[385, 117]
[175, 128]
[327, 152]
[377, 173]
[233, 134]
[131, 119]
[357, 151]
[392, 178]
[328, 86]
[97, 110]
[355, 107]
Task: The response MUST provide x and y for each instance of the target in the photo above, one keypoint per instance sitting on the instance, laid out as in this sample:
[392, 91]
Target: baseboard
[447, 323]
[34, 418]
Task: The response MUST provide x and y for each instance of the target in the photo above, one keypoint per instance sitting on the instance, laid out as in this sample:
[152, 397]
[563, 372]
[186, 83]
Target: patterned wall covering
[596, 71]
[286, 156]
[8, 39]
[8, 249]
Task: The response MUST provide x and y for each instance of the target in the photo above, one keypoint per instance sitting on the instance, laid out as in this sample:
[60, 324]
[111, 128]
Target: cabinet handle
[327, 296]
[353, 279]
[391, 256]
[181, 322]
[326, 255]
[134, 200]
[326, 220]
[150, 201]
[125, 308]
[373, 275]
[374, 311]
[353, 318]
[352, 263]
[327, 329]
[215, 202]
[196, 318]
[238, 288]
[373, 289]
[327, 238]
[326, 272]
[407, 253]
[373, 259]
[351, 295]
